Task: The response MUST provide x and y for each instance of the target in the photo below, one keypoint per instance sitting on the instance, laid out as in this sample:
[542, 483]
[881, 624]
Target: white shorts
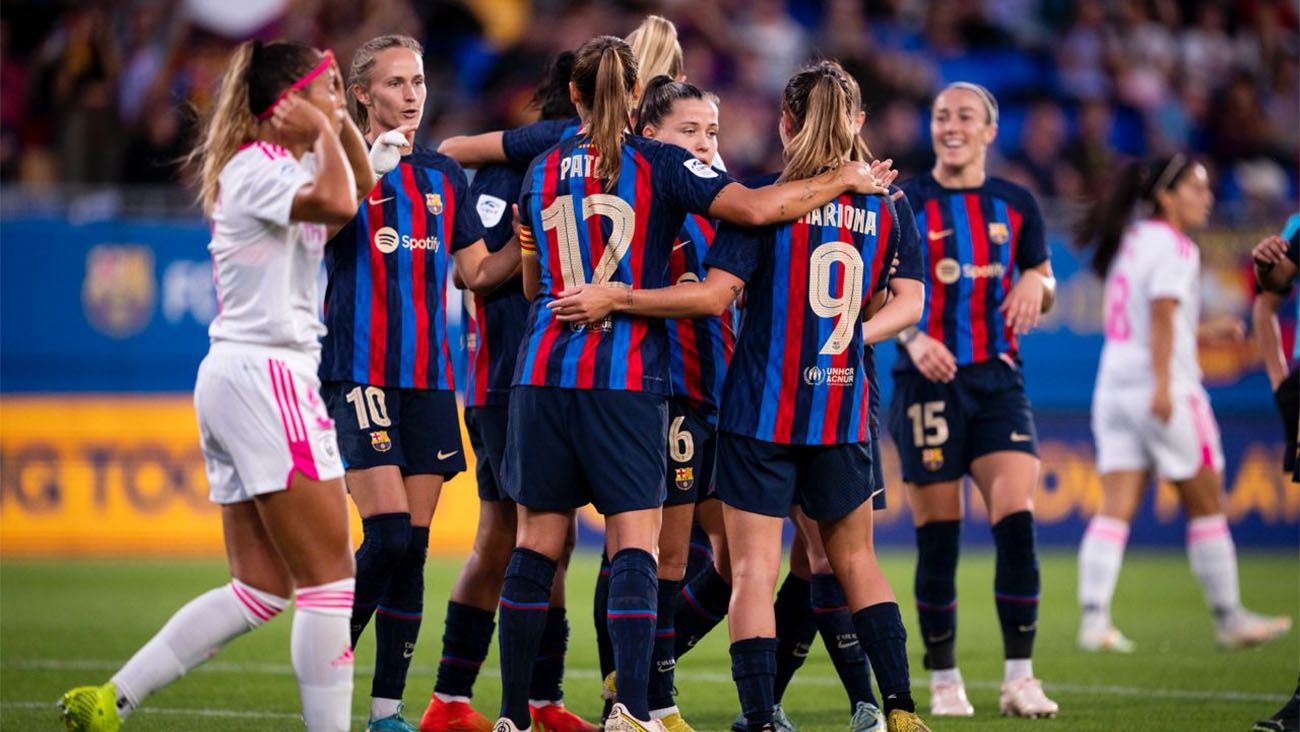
[1128, 437]
[260, 419]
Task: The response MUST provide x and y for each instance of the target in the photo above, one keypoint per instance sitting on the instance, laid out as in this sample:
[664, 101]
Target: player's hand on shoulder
[869, 179]
[932, 358]
[1269, 251]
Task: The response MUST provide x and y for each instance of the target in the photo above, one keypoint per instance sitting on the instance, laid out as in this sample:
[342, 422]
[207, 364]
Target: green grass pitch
[64, 623]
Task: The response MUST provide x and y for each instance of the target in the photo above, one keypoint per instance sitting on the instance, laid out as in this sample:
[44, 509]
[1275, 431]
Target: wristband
[908, 335]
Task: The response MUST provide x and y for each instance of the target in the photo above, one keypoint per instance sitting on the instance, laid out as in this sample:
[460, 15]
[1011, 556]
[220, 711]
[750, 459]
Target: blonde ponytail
[655, 46]
[230, 125]
[605, 74]
[822, 101]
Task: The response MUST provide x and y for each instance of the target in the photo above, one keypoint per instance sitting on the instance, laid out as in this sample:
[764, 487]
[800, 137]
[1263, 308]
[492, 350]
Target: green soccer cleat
[395, 723]
[91, 709]
[867, 718]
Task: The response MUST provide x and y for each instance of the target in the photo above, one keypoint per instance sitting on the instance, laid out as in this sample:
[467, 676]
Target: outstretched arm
[473, 151]
[592, 303]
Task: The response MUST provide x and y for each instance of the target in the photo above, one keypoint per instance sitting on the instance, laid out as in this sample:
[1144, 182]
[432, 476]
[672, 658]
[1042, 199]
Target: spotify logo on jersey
[386, 240]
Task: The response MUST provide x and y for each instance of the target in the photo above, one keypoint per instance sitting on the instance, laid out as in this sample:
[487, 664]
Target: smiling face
[960, 129]
[1187, 205]
[692, 125]
[396, 92]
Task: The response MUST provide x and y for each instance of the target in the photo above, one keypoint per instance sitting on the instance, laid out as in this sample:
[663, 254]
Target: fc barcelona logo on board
[999, 233]
[379, 440]
[685, 478]
[433, 202]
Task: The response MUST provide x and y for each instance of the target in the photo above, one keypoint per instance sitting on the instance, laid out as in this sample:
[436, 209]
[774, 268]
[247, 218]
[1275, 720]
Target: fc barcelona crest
[380, 442]
[932, 458]
[685, 478]
[999, 233]
[433, 202]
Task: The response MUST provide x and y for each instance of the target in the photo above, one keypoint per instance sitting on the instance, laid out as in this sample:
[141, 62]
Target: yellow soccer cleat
[676, 723]
[901, 721]
[91, 709]
[609, 687]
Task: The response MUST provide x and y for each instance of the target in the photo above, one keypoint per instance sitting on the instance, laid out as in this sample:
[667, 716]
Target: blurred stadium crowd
[107, 92]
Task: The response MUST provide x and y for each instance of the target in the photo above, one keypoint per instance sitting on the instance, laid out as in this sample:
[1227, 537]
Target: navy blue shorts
[566, 448]
[692, 442]
[940, 429]
[827, 481]
[487, 436]
[418, 430]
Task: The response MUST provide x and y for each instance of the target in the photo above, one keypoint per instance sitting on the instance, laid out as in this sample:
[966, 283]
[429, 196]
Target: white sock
[322, 654]
[665, 712]
[380, 707]
[945, 676]
[1214, 562]
[539, 703]
[193, 635]
[1016, 669]
[451, 698]
[1101, 553]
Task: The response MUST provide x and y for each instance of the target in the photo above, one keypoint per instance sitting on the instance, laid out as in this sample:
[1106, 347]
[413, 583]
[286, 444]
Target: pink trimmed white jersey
[261, 418]
[1155, 261]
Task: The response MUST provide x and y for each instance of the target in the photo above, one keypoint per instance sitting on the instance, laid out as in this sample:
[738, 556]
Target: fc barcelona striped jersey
[588, 232]
[971, 240]
[386, 304]
[798, 373]
[699, 349]
[494, 323]
[522, 144]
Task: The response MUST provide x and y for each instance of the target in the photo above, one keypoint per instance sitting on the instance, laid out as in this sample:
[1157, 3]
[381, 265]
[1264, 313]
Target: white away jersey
[1155, 261]
[265, 267]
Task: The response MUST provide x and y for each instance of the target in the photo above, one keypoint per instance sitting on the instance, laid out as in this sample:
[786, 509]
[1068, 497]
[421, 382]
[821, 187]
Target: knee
[259, 605]
[386, 539]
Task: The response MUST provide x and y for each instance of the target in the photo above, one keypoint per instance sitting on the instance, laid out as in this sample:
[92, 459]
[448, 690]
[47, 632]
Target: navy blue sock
[701, 552]
[599, 610]
[880, 629]
[663, 661]
[383, 544]
[702, 606]
[937, 547]
[398, 618]
[633, 603]
[753, 666]
[548, 669]
[465, 640]
[1016, 583]
[525, 602]
[831, 609]
[795, 630]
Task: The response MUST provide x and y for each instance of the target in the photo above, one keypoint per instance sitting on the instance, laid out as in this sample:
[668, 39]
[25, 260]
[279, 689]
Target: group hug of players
[679, 349]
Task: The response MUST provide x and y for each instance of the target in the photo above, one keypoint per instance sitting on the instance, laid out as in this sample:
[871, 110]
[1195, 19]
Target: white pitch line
[707, 677]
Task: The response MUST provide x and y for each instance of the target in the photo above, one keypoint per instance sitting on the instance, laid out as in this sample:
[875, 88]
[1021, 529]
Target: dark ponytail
[1131, 194]
[551, 98]
[659, 96]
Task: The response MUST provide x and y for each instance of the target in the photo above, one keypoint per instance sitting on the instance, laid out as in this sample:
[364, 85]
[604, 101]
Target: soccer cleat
[91, 709]
[675, 722]
[1287, 719]
[505, 725]
[620, 720]
[901, 721]
[1107, 638]
[556, 718]
[867, 718]
[1245, 628]
[1025, 698]
[780, 721]
[609, 687]
[948, 699]
[453, 716]
[395, 723]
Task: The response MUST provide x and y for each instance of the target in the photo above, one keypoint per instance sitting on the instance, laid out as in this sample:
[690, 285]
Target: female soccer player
[588, 414]
[1149, 410]
[959, 405]
[386, 371]
[280, 163]
[494, 328]
[793, 421]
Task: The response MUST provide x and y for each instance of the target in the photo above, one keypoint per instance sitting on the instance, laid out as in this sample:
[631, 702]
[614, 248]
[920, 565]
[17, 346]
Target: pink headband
[327, 59]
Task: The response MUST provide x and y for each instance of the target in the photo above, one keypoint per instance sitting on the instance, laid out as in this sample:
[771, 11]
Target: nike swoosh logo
[444, 455]
[1028, 628]
[940, 638]
[373, 202]
[407, 654]
[1017, 437]
[937, 235]
[679, 246]
[846, 644]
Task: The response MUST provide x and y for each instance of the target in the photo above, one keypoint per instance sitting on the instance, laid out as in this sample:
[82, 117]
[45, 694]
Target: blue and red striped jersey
[699, 350]
[798, 374]
[522, 144]
[494, 323]
[972, 239]
[590, 233]
[386, 299]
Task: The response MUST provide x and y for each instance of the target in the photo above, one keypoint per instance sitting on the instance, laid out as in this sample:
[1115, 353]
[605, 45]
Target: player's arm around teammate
[274, 175]
[959, 405]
